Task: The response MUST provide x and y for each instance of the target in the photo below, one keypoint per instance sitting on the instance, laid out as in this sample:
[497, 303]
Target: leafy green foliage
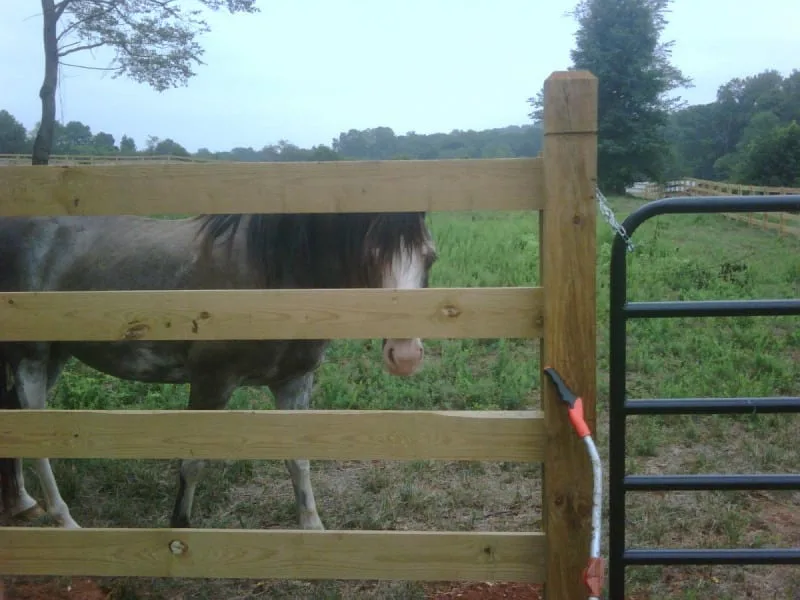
[619, 42]
[153, 41]
[13, 137]
[513, 141]
[165, 147]
[742, 136]
[381, 143]
[773, 158]
[127, 145]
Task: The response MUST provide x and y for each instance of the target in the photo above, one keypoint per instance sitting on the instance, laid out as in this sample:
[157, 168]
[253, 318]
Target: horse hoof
[29, 514]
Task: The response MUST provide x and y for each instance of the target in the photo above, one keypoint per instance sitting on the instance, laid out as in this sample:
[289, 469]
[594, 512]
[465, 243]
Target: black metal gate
[621, 406]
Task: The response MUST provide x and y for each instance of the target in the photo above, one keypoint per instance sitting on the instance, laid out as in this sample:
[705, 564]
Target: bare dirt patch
[74, 589]
[487, 591]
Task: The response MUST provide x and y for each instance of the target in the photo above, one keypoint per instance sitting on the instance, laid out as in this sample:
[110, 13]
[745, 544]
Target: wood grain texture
[271, 314]
[273, 554]
[568, 275]
[516, 436]
[359, 186]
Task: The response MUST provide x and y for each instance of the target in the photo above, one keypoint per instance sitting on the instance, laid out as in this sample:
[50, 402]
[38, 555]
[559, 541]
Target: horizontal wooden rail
[271, 314]
[274, 554]
[515, 436]
[60, 159]
[358, 186]
[763, 221]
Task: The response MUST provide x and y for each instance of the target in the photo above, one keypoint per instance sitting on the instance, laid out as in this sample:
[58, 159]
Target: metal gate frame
[620, 406]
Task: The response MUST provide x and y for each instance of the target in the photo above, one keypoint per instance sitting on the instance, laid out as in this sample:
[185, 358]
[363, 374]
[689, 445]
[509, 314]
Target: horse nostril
[391, 355]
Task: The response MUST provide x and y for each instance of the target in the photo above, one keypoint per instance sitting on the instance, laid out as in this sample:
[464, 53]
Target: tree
[715, 140]
[73, 138]
[127, 145]
[619, 42]
[773, 158]
[103, 143]
[154, 42]
[169, 147]
[13, 137]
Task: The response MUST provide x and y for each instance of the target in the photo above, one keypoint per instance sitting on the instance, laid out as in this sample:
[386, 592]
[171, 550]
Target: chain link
[605, 209]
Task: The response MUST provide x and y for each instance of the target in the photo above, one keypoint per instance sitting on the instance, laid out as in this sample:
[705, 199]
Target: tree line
[749, 134]
[379, 143]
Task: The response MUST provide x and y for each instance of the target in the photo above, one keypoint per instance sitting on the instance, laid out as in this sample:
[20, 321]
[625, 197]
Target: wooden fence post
[568, 272]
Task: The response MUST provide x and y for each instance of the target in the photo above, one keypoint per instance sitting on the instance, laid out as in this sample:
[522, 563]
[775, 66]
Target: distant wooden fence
[60, 160]
[784, 223]
[559, 184]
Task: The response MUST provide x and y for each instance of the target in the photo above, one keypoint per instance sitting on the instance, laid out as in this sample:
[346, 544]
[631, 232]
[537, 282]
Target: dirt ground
[77, 589]
[86, 589]
[487, 591]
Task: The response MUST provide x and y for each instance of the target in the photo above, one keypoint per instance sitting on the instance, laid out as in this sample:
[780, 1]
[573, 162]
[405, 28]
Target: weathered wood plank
[568, 259]
[516, 436]
[358, 186]
[271, 314]
[273, 554]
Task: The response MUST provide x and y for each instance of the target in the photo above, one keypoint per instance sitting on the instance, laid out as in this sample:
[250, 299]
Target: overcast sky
[306, 70]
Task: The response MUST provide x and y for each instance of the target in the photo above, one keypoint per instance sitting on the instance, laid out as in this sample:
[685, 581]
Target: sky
[306, 70]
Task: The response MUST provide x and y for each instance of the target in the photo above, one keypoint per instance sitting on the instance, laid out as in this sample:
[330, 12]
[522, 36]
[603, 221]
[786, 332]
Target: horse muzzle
[403, 357]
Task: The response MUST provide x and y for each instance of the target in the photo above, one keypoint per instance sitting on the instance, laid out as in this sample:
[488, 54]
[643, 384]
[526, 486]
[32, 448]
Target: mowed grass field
[683, 257]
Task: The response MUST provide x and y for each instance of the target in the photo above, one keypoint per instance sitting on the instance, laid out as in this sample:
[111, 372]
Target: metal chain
[612, 220]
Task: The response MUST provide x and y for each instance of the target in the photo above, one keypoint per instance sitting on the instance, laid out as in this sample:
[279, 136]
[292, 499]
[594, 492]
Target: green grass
[677, 257]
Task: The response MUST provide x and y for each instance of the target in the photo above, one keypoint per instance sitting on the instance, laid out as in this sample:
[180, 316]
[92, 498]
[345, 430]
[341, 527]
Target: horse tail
[9, 487]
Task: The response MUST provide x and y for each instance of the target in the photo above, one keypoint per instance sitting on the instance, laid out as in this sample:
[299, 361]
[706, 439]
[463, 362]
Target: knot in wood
[449, 310]
[135, 330]
[177, 547]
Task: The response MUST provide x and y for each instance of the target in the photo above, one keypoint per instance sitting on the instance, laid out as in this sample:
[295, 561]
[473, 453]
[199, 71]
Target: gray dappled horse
[207, 252]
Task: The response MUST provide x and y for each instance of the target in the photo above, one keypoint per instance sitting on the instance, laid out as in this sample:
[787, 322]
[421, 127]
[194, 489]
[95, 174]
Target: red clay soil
[77, 589]
[487, 591]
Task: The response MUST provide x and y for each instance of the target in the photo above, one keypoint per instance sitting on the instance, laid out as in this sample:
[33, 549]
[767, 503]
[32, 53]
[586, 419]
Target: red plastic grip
[577, 419]
[594, 576]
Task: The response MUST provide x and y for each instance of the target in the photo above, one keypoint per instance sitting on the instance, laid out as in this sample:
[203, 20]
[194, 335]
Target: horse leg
[32, 380]
[25, 508]
[296, 395]
[205, 394]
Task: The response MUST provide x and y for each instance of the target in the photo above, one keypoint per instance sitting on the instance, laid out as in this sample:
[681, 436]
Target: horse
[255, 251]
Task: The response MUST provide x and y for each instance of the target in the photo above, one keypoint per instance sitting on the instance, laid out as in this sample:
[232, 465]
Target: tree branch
[63, 53]
[88, 68]
[61, 7]
[79, 22]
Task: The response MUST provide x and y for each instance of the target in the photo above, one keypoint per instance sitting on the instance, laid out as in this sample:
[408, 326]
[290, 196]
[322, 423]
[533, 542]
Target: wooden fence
[784, 223]
[561, 312]
[61, 160]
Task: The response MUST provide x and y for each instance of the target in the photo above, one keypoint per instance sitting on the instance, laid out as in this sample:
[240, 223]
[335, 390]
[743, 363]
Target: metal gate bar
[620, 407]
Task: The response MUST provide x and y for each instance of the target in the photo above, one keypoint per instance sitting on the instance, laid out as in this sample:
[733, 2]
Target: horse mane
[319, 250]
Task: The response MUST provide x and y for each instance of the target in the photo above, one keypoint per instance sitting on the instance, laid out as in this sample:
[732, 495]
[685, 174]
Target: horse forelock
[324, 250]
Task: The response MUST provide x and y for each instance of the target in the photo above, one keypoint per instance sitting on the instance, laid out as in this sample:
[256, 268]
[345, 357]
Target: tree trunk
[43, 143]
